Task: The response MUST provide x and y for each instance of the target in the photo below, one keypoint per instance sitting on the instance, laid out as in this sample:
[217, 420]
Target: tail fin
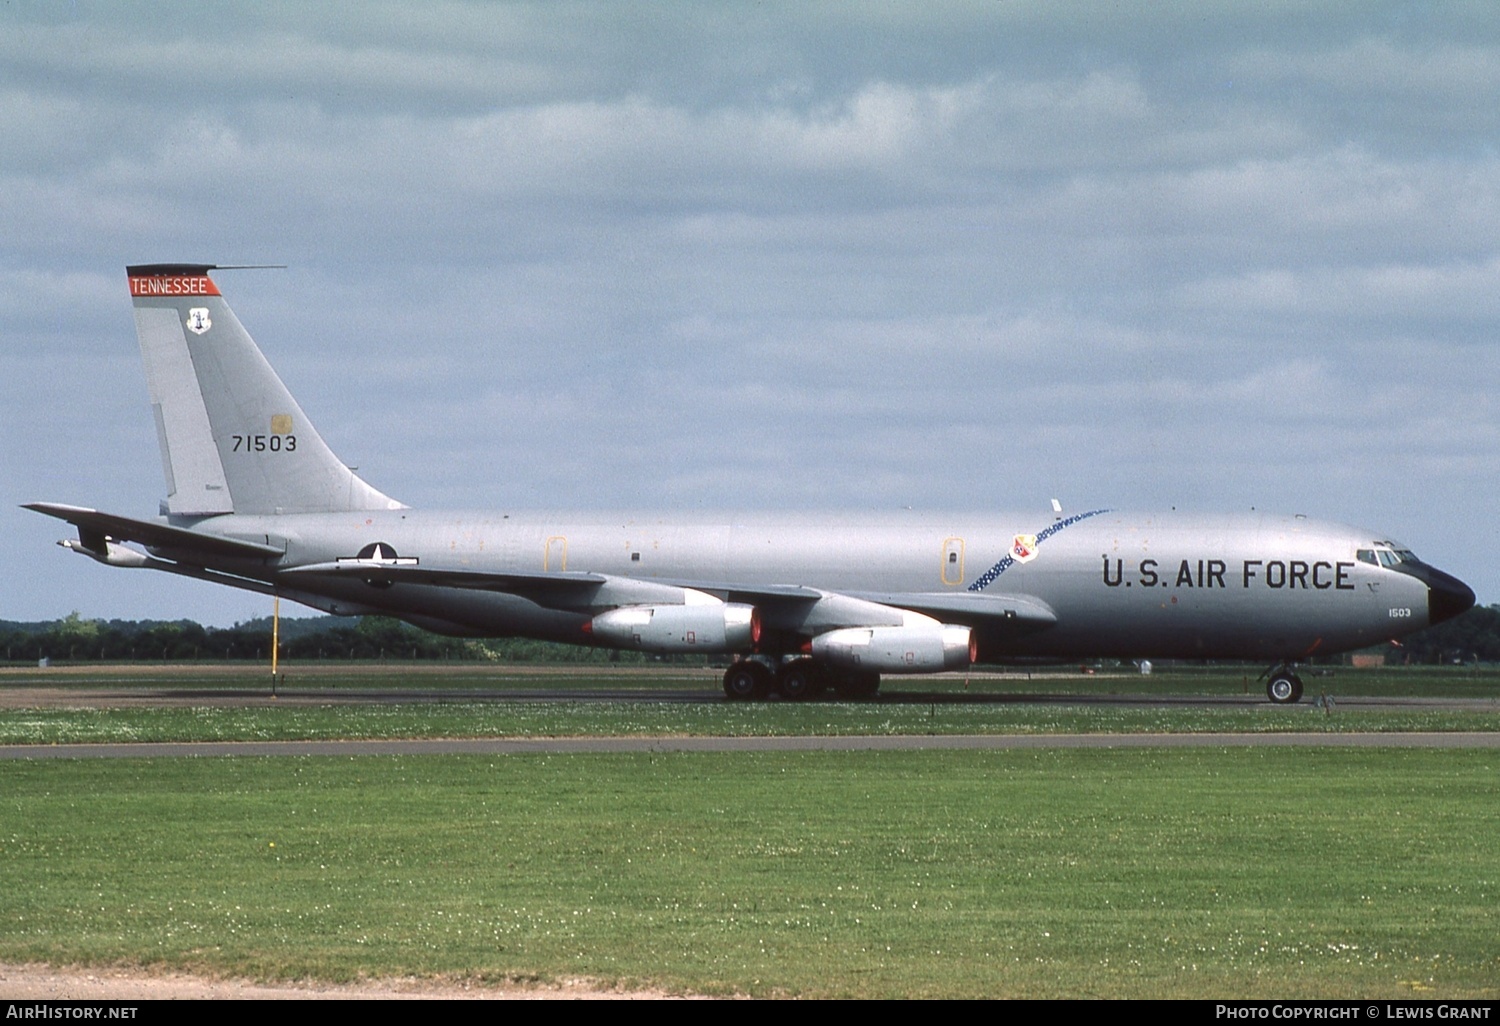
[233, 440]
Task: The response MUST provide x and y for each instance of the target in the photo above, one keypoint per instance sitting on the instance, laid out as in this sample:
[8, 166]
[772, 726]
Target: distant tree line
[75, 639]
[1474, 636]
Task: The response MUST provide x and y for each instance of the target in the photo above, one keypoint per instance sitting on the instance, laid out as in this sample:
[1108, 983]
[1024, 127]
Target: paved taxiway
[902, 742]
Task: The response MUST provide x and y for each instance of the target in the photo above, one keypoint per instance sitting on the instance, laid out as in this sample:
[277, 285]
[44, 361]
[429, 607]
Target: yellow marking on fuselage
[951, 570]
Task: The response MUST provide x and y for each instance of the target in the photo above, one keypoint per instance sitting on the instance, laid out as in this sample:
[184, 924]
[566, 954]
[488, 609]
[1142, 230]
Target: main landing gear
[1284, 687]
[747, 681]
[796, 680]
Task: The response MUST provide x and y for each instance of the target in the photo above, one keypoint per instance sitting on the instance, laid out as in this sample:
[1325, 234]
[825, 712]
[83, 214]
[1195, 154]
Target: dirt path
[44, 983]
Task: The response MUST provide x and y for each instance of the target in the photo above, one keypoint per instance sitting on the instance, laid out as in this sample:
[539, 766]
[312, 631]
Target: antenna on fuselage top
[1057, 508]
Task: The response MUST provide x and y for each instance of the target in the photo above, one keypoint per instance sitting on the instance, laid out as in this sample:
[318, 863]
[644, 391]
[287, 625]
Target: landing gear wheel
[1284, 688]
[857, 685]
[798, 680]
[746, 682]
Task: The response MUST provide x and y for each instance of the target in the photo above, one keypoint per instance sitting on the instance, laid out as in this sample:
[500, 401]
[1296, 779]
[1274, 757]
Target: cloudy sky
[845, 256]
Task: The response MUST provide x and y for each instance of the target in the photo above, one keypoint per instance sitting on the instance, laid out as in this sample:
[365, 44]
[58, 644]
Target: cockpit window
[1386, 554]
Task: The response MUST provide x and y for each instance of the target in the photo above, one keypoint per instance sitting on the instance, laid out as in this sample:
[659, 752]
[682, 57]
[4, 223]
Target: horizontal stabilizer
[156, 535]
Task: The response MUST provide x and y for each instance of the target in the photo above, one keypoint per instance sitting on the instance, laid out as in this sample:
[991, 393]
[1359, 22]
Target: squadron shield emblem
[197, 320]
[1023, 549]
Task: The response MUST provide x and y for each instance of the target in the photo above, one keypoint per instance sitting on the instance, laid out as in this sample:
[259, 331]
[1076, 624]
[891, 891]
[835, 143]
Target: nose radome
[1447, 596]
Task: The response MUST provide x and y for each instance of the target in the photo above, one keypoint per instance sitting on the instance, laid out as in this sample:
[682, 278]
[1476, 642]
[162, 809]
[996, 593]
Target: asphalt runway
[125, 694]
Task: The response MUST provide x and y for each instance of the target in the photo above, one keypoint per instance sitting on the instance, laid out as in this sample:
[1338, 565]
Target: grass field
[1128, 873]
[658, 719]
[1156, 873]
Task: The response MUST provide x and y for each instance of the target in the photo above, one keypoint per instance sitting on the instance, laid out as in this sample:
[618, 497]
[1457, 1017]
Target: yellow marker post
[275, 638]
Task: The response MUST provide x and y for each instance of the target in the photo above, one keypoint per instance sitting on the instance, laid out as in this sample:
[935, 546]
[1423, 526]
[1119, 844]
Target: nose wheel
[1284, 687]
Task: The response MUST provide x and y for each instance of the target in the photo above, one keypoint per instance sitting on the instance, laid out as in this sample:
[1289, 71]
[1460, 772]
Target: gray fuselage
[1151, 586]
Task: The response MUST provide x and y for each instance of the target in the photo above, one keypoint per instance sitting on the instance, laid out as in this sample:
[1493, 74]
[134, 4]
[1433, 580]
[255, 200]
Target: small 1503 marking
[1400, 613]
[264, 443]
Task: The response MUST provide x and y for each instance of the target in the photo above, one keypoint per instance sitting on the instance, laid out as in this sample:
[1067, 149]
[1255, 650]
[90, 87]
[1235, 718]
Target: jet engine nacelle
[113, 554]
[919, 648]
[719, 627]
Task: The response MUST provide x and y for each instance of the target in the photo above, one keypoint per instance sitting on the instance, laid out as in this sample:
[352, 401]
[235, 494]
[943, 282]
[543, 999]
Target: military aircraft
[801, 603]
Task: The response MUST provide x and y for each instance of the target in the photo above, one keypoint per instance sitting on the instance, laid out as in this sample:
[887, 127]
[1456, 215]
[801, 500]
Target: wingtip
[56, 509]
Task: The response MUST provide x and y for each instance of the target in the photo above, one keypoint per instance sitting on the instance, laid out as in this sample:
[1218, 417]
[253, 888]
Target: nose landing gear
[1284, 686]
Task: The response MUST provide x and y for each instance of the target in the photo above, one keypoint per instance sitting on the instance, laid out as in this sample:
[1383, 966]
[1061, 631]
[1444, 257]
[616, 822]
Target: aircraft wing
[795, 607]
[751, 593]
[523, 582]
[1023, 614]
[94, 528]
[561, 589]
[387, 572]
